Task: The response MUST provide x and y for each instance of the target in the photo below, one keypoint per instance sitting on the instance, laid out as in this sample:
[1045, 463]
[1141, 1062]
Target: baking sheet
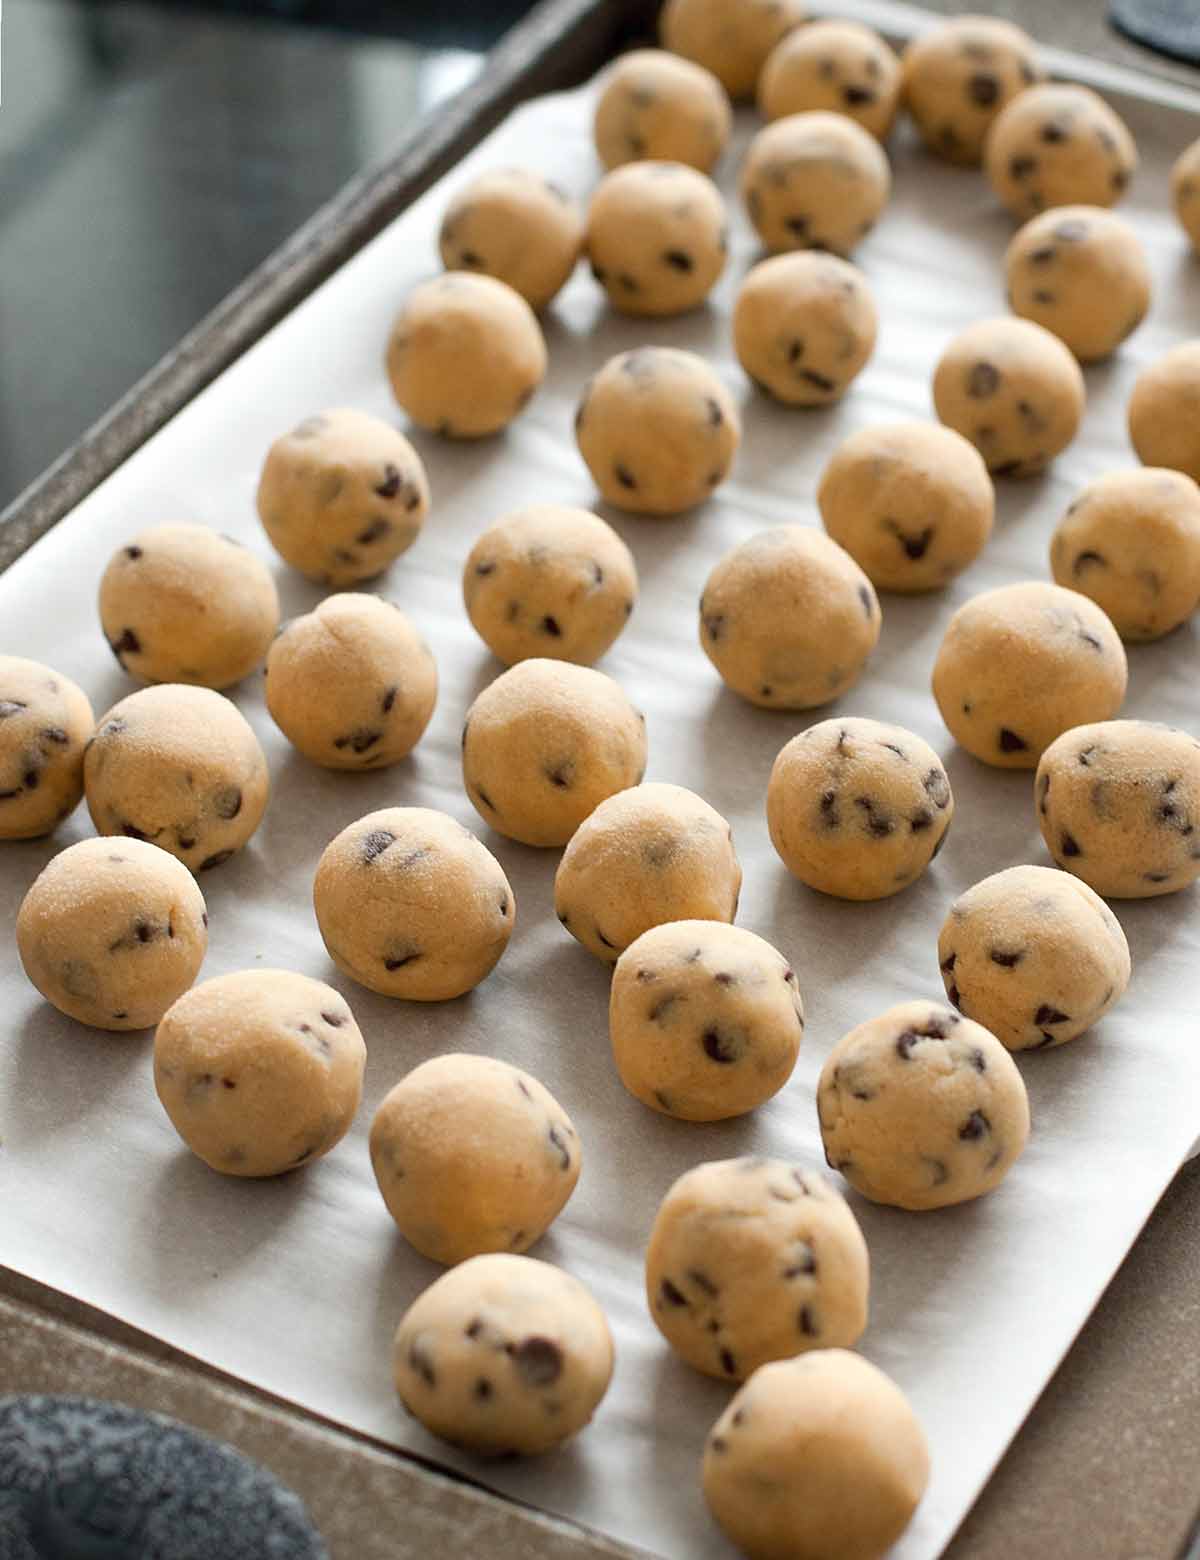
[296, 1284]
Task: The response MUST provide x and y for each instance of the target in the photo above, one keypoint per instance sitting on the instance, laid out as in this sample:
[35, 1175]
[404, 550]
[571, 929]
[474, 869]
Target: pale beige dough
[732, 38]
[1058, 144]
[657, 237]
[843, 67]
[45, 723]
[517, 226]
[959, 75]
[1185, 191]
[814, 181]
[804, 326]
[654, 104]
[1164, 411]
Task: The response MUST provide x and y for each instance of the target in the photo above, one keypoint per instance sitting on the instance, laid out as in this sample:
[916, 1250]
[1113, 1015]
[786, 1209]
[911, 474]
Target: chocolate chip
[716, 1444]
[795, 351]
[678, 259]
[806, 1321]
[127, 644]
[983, 89]
[713, 624]
[670, 1294]
[948, 963]
[983, 380]
[1010, 742]
[133, 832]
[941, 1172]
[1006, 468]
[1021, 167]
[1050, 1015]
[728, 1363]
[538, 1361]
[921, 820]
[830, 816]
[866, 596]
[1043, 255]
[334, 1019]
[976, 1126]
[379, 527]
[721, 1046]
[627, 282]
[1069, 846]
[549, 625]
[1090, 640]
[820, 382]
[403, 956]
[715, 415]
[797, 225]
[419, 1361]
[703, 1282]
[483, 1389]
[218, 860]
[1053, 134]
[376, 843]
[805, 1265]
[561, 776]
[857, 97]
[917, 546]
[1043, 295]
[624, 476]
[1005, 959]
[1088, 556]
[558, 1143]
[228, 802]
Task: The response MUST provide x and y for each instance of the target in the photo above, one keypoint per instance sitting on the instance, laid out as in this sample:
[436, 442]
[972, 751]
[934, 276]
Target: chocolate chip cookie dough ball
[921, 1108]
[465, 355]
[705, 1019]
[45, 722]
[654, 104]
[341, 496]
[651, 854]
[732, 38]
[1164, 411]
[1119, 806]
[656, 237]
[789, 619]
[503, 1354]
[180, 767]
[1185, 191]
[814, 181]
[842, 67]
[111, 933]
[1034, 956]
[545, 744]
[411, 904]
[1058, 145]
[959, 75]
[804, 326]
[1013, 390]
[657, 429]
[513, 224]
[820, 1455]
[472, 1155]
[1023, 663]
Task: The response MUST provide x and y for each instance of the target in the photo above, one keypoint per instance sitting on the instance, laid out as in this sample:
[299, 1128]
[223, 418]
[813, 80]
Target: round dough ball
[341, 496]
[656, 237]
[651, 854]
[803, 327]
[410, 904]
[921, 1108]
[657, 429]
[788, 619]
[112, 934]
[959, 75]
[1034, 956]
[352, 684]
[911, 502]
[1131, 541]
[840, 66]
[731, 38]
[515, 225]
[1058, 144]
[260, 1071]
[1185, 191]
[545, 744]
[1020, 664]
[45, 723]
[820, 1455]
[752, 1260]
[1164, 411]
[472, 1155]
[857, 808]
[549, 580]
[180, 767]
[465, 355]
[1119, 806]
[1013, 390]
[814, 181]
[503, 1354]
[654, 104]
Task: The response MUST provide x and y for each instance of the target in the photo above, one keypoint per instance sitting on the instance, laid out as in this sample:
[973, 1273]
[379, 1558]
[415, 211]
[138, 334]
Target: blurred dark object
[1170, 27]
[459, 24]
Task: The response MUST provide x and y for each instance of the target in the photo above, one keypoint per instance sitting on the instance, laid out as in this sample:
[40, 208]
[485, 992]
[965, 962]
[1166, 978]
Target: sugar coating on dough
[789, 619]
[503, 1354]
[465, 355]
[657, 237]
[843, 67]
[657, 429]
[352, 684]
[472, 1155]
[654, 104]
[959, 75]
[517, 226]
[1034, 956]
[261, 1071]
[858, 808]
[45, 724]
[180, 767]
[1164, 411]
[111, 932]
[651, 854]
[1058, 144]
[1131, 541]
[921, 1108]
[814, 181]
[342, 495]
[816, 1456]
[1185, 191]
[705, 1019]
[1119, 806]
[410, 904]
[731, 37]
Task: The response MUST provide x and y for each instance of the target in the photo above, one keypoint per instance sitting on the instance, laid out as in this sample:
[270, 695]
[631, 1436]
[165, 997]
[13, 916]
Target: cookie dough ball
[1131, 541]
[1058, 145]
[472, 1155]
[341, 496]
[788, 619]
[1034, 955]
[1119, 806]
[911, 502]
[803, 327]
[260, 1071]
[112, 933]
[842, 67]
[45, 723]
[352, 684]
[857, 808]
[465, 355]
[651, 854]
[656, 237]
[1164, 411]
[959, 75]
[1013, 390]
[411, 904]
[814, 181]
[654, 104]
[502, 1355]
[515, 225]
[657, 429]
[1185, 191]
[731, 38]
[820, 1455]
[180, 767]
[921, 1108]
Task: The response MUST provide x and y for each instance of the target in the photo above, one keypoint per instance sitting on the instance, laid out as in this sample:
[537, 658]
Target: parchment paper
[297, 1284]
